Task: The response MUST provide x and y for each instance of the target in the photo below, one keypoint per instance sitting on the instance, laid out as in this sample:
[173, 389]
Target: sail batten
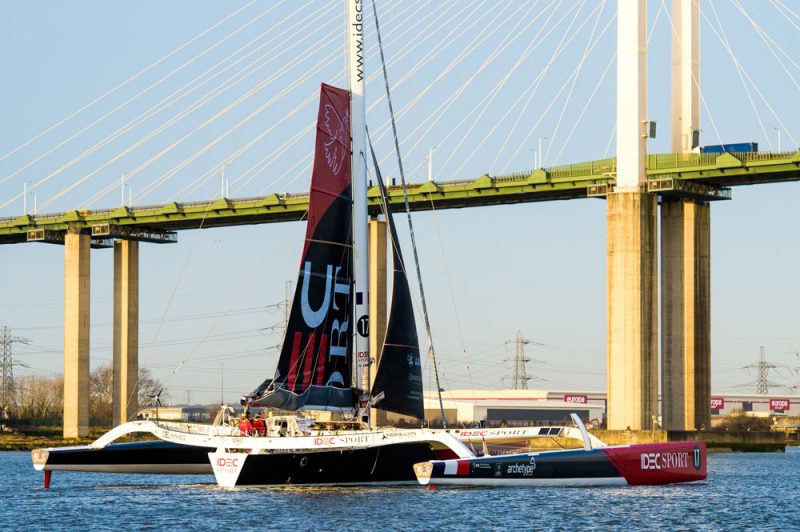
[315, 365]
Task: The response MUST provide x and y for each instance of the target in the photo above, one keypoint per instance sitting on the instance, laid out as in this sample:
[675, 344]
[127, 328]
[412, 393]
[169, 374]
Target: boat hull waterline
[643, 464]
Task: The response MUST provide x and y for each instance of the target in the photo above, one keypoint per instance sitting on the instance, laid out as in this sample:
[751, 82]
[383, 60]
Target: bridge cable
[135, 76]
[438, 113]
[586, 52]
[487, 100]
[251, 92]
[463, 54]
[128, 101]
[240, 76]
[160, 106]
[662, 9]
[743, 77]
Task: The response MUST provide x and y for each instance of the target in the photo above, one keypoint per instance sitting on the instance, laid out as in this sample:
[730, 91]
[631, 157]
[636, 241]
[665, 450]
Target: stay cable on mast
[408, 216]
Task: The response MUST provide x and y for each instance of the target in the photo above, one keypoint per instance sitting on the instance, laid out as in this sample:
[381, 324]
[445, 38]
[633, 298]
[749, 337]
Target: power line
[762, 383]
[7, 377]
[519, 379]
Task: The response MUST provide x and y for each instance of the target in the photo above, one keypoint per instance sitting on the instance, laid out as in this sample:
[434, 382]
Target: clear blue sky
[538, 268]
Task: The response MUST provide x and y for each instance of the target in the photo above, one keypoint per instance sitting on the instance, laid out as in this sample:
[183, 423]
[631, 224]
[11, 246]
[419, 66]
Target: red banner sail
[315, 366]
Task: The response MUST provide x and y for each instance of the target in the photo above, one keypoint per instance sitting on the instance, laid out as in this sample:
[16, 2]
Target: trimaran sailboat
[324, 366]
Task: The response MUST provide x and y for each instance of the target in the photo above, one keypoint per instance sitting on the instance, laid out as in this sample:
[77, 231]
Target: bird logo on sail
[339, 131]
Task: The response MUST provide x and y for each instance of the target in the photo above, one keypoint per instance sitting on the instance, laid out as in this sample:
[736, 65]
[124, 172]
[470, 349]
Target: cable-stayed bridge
[479, 127]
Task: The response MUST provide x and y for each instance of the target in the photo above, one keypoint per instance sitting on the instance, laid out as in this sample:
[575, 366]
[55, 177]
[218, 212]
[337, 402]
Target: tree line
[37, 398]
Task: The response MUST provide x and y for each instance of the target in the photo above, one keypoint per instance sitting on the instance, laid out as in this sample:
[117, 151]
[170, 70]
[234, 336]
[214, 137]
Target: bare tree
[101, 392]
[39, 397]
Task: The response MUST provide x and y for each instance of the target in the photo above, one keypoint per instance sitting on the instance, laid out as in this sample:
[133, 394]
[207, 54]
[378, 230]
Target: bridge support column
[685, 250]
[76, 334]
[126, 330]
[632, 310]
[632, 246]
[377, 303]
[685, 314]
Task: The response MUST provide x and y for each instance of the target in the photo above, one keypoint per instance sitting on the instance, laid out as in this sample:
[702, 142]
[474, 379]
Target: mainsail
[398, 382]
[315, 365]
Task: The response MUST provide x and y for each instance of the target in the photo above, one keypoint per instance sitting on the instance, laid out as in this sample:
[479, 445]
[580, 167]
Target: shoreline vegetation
[29, 438]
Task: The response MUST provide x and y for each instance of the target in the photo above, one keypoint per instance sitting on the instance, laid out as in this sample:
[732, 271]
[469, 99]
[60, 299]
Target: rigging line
[176, 96]
[418, 42]
[589, 100]
[563, 146]
[237, 78]
[286, 90]
[587, 50]
[586, 106]
[533, 89]
[611, 138]
[135, 76]
[136, 96]
[439, 112]
[788, 19]
[172, 296]
[726, 45]
[449, 277]
[183, 164]
[541, 118]
[431, 351]
[770, 43]
[755, 87]
[539, 80]
[306, 158]
[245, 290]
[474, 44]
[270, 158]
[208, 97]
[443, 45]
[161, 179]
[694, 79]
[559, 49]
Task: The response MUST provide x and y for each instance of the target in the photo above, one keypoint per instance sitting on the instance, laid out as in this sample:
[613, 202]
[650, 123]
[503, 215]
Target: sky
[167, 94]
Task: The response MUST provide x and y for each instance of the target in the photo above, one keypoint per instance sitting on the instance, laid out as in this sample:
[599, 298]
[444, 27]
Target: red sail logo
[339, 131]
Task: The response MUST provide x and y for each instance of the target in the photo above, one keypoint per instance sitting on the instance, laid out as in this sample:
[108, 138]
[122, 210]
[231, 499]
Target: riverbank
[35, 438]
[716, 441]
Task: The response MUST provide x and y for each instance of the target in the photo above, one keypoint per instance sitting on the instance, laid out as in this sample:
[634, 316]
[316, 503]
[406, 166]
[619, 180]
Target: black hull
[389, 464]
[155, 457]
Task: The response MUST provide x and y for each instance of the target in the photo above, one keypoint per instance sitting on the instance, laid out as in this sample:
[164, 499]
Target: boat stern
[39, 458]
[660, 463]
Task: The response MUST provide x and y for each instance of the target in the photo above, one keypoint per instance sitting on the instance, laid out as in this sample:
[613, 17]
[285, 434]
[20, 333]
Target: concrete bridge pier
[685, 314]
[76, 333]
[632, 343]
[632, 245]
[126, 330]
[377, 303]
[685, 250]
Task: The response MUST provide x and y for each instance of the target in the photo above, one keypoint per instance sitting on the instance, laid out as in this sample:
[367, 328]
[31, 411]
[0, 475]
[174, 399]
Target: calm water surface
[743, 491]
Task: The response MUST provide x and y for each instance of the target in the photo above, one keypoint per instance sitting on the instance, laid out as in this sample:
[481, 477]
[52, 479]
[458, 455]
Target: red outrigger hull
[643, 464]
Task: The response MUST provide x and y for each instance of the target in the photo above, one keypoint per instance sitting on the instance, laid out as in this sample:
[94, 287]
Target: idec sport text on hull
[227, 462]
[665, 460]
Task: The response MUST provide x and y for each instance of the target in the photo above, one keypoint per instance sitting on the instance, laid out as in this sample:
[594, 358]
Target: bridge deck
[702, 176]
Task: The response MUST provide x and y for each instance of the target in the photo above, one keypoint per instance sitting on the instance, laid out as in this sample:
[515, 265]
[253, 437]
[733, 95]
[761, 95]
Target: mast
[355, 40]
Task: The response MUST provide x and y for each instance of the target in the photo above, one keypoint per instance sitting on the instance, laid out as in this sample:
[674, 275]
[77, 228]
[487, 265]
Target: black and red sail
[315, 365]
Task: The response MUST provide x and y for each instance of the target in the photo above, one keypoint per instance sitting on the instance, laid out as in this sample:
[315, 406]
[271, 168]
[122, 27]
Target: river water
[743, 491]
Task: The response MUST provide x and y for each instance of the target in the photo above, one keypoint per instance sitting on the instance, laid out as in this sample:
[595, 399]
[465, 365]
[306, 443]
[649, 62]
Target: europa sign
[576, 399]
[717, 403]
[779, 405]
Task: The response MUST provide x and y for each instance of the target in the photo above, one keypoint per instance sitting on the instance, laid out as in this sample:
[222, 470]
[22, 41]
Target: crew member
[245, 425]
[259, 427]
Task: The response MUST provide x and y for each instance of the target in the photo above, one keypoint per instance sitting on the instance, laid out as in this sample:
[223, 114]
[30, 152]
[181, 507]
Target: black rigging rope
[408, 215]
